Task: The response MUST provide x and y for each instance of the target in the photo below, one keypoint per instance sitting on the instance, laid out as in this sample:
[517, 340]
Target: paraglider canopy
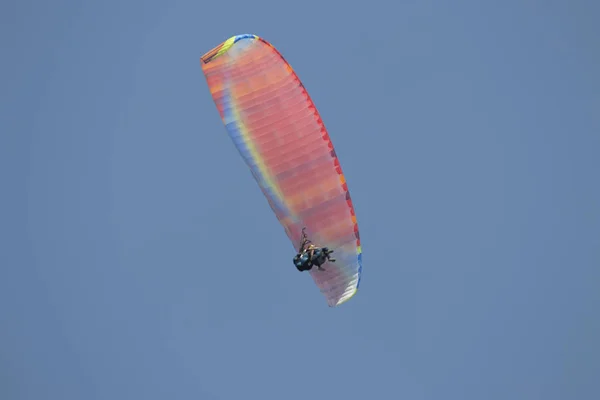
[279, 133]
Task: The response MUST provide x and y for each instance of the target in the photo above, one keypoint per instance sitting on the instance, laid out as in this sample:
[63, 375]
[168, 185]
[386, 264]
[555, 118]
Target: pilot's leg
[328, 252]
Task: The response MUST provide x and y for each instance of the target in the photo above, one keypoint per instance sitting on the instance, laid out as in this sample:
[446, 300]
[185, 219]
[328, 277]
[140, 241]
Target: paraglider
[279, 133]
[310, 256]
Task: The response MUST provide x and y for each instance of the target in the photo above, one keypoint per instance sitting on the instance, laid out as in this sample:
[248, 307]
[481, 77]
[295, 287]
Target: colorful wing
[279, 133]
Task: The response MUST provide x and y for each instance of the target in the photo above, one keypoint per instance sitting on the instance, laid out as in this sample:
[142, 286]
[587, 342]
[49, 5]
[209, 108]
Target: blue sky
[469, 134]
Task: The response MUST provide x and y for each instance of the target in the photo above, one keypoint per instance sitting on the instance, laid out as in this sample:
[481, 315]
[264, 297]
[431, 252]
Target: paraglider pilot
[310, 255]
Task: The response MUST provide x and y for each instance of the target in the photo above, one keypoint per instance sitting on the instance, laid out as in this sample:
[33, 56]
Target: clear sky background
[469, 133]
